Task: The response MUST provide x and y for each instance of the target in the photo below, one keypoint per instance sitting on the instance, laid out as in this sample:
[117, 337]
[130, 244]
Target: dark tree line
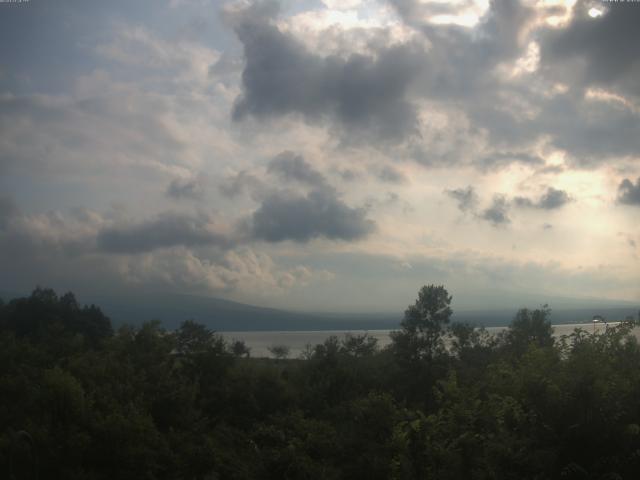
[443, 401]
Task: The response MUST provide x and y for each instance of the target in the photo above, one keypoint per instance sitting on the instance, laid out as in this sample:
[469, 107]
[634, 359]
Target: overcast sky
[321, 155]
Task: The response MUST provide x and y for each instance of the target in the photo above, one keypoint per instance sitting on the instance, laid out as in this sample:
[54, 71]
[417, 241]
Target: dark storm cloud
[412, 9]
[524, 202]
[461, 60]
[497, 213]
[286, 216]
[8, 210]
[362, 92]
[461, 66]
[592, 52]
[500, 29]
[551, 169]
[466, 198]
[377, 92]
[241, 182]
[500, 159]
[608, 44]
[592, 130]
[389, 174]
[185, 188]
[348, 175]
[289, 166]
[496, 37]
[553, 198]
[462, 63]
[628, 193]
[167, 230]
[550, 200]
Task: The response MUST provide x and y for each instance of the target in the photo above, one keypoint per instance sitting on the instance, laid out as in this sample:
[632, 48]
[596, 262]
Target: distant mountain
[224, 315]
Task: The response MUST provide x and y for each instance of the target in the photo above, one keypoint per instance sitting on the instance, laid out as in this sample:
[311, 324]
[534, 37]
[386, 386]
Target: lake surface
[259, 342]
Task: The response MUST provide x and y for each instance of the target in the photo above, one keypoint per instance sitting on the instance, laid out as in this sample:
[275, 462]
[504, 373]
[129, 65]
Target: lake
[259, 342]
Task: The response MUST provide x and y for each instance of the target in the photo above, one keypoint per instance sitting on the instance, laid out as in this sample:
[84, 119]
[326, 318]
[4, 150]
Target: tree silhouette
[424, 324]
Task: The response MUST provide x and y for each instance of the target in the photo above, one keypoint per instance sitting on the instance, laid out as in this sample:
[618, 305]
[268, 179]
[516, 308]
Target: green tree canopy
[530, 327]
[424, 324]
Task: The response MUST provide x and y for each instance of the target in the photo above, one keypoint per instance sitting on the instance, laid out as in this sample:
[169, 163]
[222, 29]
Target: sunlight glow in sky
[595, 12]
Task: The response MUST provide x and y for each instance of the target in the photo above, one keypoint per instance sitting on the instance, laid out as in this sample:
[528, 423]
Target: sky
[322, 155]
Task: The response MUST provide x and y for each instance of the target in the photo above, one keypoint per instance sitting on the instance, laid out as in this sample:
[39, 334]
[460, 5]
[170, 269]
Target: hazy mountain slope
[225, 315]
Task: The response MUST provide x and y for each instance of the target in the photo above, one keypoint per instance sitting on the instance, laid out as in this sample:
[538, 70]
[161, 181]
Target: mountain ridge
[227, 315]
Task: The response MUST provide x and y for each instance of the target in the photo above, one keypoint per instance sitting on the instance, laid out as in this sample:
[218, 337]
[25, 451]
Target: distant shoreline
[260, 341]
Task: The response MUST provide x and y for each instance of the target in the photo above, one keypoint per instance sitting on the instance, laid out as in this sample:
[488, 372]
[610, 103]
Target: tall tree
[424, 324]
[530, 327]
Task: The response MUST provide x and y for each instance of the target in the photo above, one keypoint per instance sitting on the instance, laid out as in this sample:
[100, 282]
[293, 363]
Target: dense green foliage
[444, 401]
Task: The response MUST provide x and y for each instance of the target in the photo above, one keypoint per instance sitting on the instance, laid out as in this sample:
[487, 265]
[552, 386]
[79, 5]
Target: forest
[82, 400]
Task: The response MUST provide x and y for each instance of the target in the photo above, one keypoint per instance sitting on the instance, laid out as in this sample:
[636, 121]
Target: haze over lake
[259, 342]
